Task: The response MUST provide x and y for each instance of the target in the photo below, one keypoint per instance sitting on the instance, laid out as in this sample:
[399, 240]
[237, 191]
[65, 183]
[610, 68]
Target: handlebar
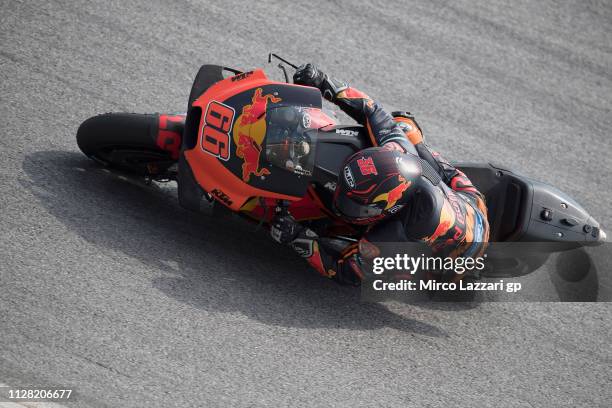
[281, 66]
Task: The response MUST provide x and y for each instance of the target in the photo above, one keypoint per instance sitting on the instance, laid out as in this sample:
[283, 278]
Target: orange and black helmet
[375, 183]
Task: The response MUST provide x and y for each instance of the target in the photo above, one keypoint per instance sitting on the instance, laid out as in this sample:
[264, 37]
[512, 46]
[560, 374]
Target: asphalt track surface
[108, 286]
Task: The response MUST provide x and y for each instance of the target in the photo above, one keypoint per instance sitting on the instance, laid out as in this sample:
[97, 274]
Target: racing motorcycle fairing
[256, 138]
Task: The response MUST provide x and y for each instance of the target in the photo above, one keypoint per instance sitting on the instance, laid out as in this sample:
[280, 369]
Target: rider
[400, 189]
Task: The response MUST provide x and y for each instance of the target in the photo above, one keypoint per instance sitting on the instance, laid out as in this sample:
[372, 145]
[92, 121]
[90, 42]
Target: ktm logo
[221, 196]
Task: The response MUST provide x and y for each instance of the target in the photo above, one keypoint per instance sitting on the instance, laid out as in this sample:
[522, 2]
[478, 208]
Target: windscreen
[290, 142]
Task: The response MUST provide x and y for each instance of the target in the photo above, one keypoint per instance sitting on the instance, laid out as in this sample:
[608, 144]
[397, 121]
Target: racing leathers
[447, 213]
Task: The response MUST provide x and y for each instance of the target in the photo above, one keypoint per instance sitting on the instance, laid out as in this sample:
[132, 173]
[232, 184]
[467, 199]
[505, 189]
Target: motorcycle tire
[125, 141]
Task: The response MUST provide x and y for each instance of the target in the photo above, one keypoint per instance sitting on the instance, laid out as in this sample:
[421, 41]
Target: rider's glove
[309, 75]
[285, 229]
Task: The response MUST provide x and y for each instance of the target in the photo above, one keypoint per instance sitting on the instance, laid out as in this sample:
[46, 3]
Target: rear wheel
[131, 142]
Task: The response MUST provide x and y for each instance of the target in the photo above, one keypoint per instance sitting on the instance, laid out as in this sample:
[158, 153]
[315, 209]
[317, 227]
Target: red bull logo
[447, 219]
[395, 194]
[249, 132]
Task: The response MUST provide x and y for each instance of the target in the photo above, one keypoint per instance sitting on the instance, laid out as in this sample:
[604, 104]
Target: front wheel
[145, 144]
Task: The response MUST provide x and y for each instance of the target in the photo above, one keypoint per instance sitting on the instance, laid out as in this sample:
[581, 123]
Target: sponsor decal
[454, 201]
[221, 196]
[330, 185]
[366, 166]
[347, 132]
[302, 171]
[249, 132]
[395, 194]
[395, 208]
[310, 233]
[242, 76]
[447, 219]
[169, 133]
[348, 176]
[306, 120]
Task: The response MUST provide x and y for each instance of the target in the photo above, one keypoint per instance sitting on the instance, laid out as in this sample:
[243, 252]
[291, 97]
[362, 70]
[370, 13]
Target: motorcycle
[256, 147]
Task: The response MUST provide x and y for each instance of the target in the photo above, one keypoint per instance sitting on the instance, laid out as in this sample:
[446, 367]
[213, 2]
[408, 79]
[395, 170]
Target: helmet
[375, 183]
